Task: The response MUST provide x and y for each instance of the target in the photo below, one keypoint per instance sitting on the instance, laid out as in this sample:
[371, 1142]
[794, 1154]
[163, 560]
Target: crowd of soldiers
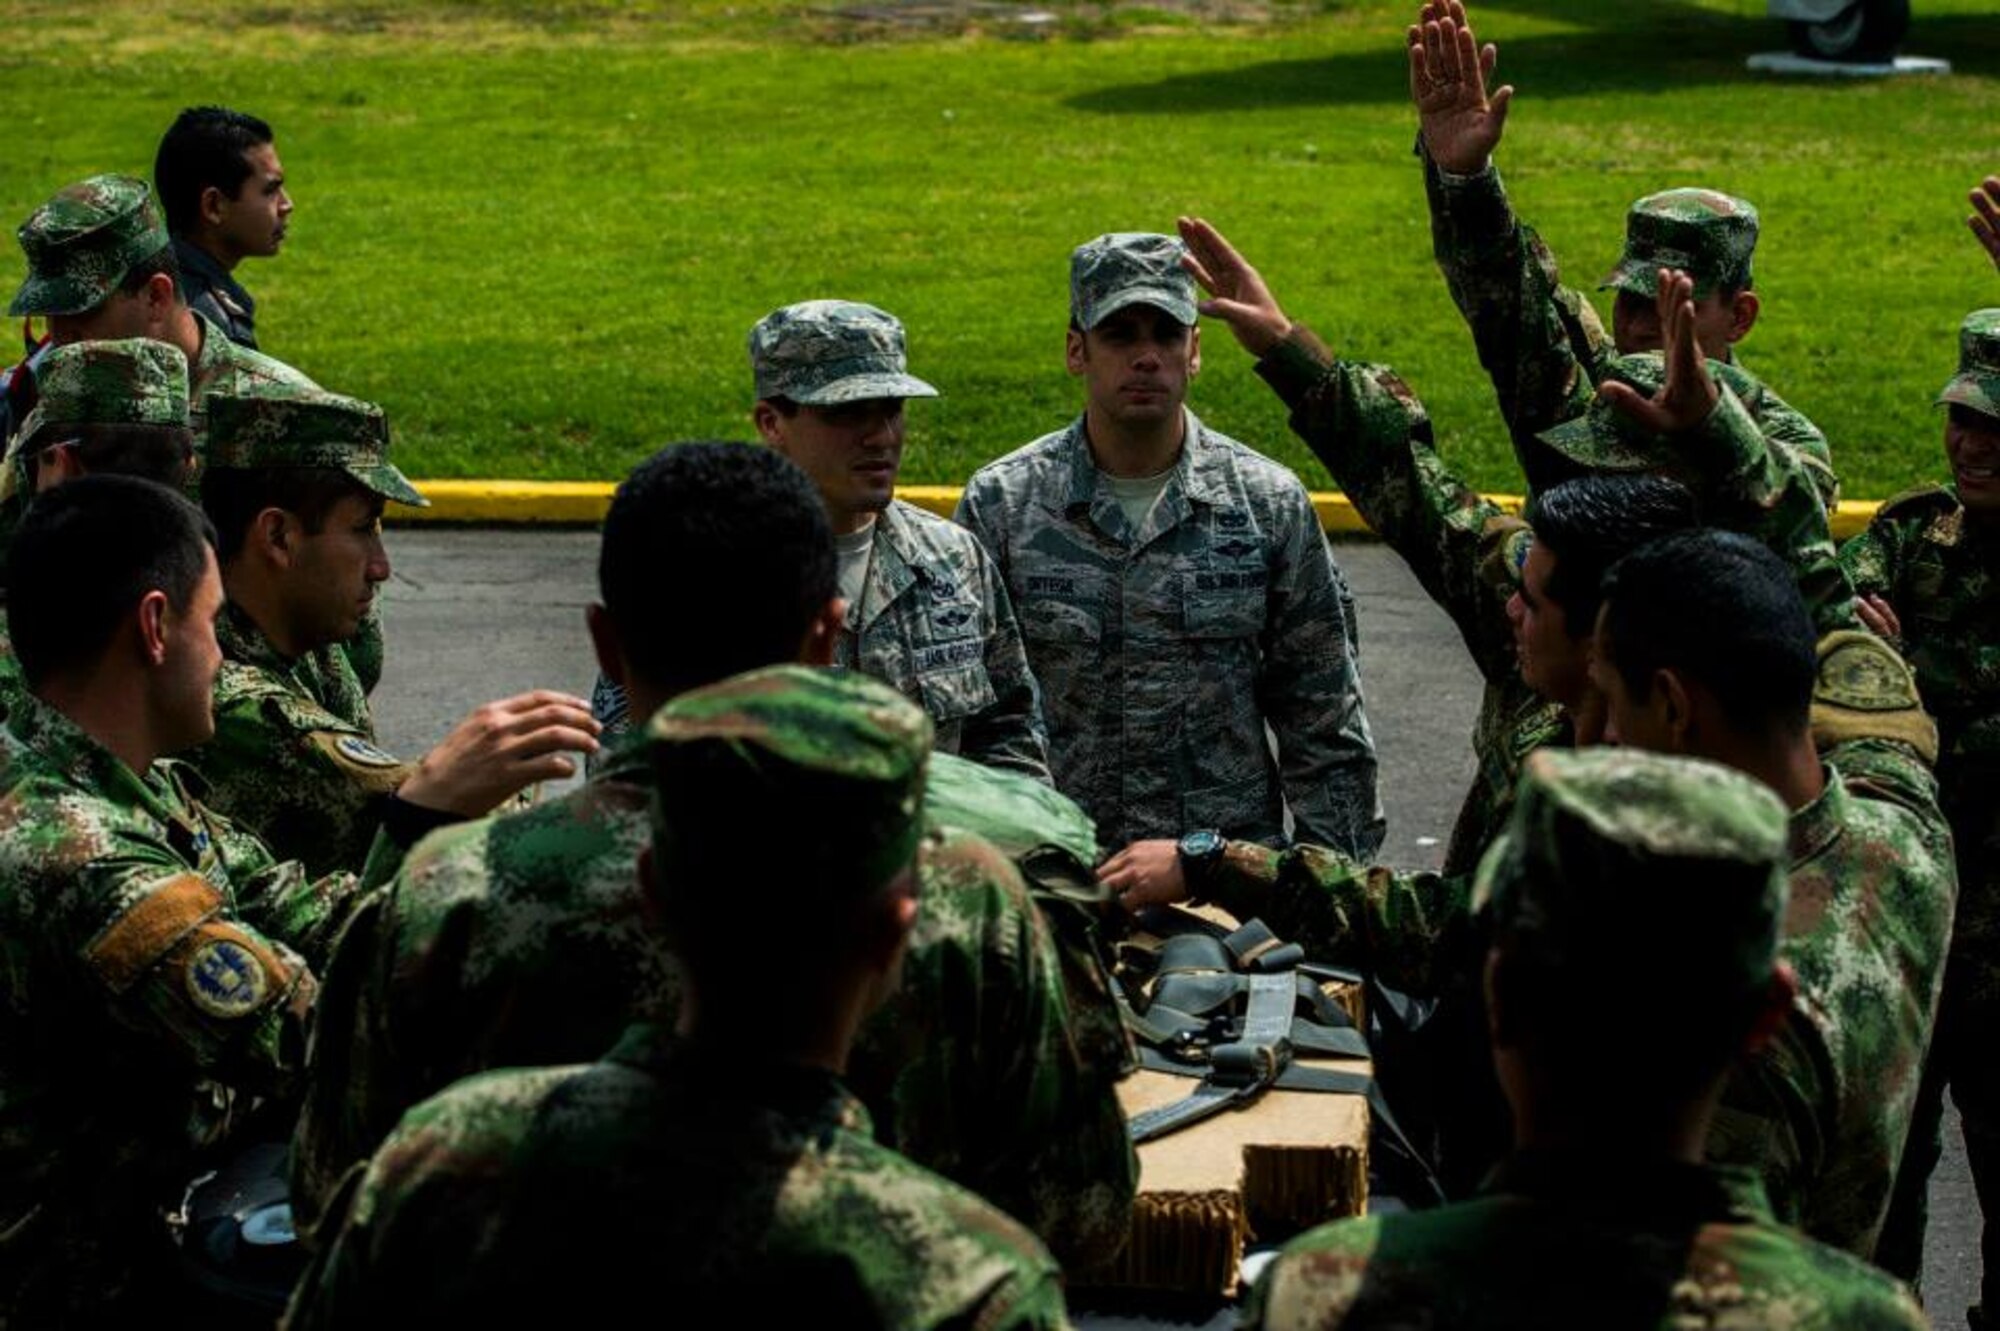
[1716, 928]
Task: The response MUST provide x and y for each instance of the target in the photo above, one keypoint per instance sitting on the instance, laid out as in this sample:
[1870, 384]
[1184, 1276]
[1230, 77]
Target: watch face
[1202, 844]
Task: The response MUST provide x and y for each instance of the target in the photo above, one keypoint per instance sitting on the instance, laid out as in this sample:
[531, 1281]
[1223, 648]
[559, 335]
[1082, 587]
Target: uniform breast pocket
[955, 691]
[1223, 605]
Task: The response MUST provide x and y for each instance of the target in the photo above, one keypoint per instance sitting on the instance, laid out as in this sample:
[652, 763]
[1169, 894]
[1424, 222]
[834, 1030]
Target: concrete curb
[582, 504]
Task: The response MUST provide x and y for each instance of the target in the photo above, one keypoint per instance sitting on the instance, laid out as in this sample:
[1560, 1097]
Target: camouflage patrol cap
[828, 764]
[1977, 383]
[1129, 268]
[1707, 235]
[307, 429]
[1604, 438]
[823, 352]
[132, 382]
[80, 244]
[1613, 856]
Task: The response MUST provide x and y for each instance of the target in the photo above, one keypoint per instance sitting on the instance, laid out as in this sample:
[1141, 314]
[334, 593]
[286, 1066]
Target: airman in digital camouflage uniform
[154, 959]
[1620, 875]
[118, 407]
[1929, 568]
[523, 939]
[725, 1166]
[101, 267]
[1541, 342]
[927, 612]
[296, 487]
[1176, 591]
[1869, 828]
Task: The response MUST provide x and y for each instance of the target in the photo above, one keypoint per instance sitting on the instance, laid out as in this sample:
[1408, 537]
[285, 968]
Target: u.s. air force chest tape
[173, 931]
[358, 758]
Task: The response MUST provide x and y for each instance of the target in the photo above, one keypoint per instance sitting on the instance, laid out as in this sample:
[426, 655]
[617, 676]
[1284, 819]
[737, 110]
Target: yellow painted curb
[582, 503]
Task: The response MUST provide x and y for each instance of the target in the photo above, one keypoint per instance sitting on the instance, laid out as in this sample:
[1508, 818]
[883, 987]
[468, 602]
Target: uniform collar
[1656, 1190]
[193, 259]
[1197, 479]
[64, 746]
[895, 567]
[1820, 823]
[741, 1075]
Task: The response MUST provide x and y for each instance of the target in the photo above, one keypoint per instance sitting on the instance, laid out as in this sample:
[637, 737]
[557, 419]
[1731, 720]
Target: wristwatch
[1200, 852]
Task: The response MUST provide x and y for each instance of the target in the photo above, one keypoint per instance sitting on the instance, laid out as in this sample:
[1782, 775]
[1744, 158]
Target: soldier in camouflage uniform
[1928, 568]
[725, 1167]
[100, 266]
[927, 613]
[1620, 875]
[1541, 342]
[296, 487]
[153, 958]
[523, 939]
[1177, 593]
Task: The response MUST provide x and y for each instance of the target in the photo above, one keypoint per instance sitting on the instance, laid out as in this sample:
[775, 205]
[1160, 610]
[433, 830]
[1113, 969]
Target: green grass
[539, 234]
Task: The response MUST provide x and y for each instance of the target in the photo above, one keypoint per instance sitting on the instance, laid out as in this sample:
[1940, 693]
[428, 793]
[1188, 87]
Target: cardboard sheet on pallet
[1290, 1160]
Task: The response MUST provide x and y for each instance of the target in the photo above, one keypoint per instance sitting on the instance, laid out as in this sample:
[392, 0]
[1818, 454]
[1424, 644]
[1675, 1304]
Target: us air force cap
[1604, 438]
[81, 242]
[1977, 383]
[824, 352]
[135, 381]
[307, 429]
[1706, 234]
[830, 763]
[1618, 858]
[1129, 268]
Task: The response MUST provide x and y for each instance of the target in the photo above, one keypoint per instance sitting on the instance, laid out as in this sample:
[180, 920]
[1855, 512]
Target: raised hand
[1690, 392]
[1237, 294]
[1985, 219]
[1449, 70]
[502, 748]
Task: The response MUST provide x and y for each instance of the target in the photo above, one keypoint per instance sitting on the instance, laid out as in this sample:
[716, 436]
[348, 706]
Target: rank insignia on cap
[225, 979]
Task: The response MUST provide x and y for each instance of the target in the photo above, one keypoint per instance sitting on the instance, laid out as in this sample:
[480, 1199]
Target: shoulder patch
[358, 750]
[168, 911]
[1866, 675]
[225, 978]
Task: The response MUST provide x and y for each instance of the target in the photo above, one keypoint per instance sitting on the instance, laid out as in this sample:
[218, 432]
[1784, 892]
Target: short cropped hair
[85, 554]
[204, 146]
[1589, 523]
[159, 453]
[1723, 611]
[233, 497]
[716, 558]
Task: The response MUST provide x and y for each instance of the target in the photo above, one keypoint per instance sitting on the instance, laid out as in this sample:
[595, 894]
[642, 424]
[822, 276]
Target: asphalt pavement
[473, 615]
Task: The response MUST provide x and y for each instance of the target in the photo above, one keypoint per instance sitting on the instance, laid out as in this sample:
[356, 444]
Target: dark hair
[783, 405]
[204, 146]
[83, 557]
[1725, 612]
[159, 453]
[716, 557]
[145, 270]
[1589, 523]
[233, 497]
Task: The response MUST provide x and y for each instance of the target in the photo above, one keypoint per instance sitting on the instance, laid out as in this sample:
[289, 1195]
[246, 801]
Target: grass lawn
[539, 234]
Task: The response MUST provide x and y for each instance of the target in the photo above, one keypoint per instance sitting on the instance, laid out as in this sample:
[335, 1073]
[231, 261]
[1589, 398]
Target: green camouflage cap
[1977, 383]
[80, 244]
[1614, 856]
[1707, 235]
[1604, 438]
[1129, 268]
[307, 429]
[830, 764]
[823, 352]
[132, 382]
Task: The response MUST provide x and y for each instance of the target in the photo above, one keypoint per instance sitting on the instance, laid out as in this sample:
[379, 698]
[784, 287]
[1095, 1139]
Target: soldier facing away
[1928, 569]
[223, 188]
[296, 487]
[1620, 875]
[1176, 591]
[722, 1168]
[524, 939]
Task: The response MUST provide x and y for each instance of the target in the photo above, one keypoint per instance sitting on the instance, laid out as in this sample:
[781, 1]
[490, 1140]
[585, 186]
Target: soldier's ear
[605, 642]
[1076, 355]
[823, 634]
[153, 627]
[1779, 996]
[1194, 350]
[1673, 706]
[1743, 311]
[213, 205]
[274, 532]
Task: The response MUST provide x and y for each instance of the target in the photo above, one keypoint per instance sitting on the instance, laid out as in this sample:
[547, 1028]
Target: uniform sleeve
[1874, 560]
[173, 961]
[1541, 342]
[1009, 734]
[983, 520]
[1409, 930]
[299, 777]
[1369, 429]
[1309, 691]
